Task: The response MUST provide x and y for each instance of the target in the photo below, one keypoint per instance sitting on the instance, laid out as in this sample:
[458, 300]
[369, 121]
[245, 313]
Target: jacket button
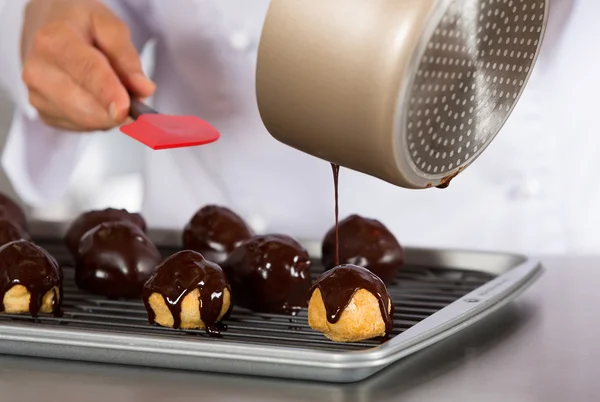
[239, 41]
[257, 223]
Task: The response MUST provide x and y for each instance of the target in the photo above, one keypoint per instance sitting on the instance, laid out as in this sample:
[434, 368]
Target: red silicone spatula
[161, 131]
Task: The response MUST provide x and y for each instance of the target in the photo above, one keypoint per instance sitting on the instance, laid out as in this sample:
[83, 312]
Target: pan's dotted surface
[473, 69]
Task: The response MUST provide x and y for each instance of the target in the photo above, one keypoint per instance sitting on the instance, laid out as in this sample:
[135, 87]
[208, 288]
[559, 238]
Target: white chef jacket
[533, 190]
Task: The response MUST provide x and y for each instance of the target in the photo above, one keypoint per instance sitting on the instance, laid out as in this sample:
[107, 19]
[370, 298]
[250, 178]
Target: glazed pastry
[10, 210]
[349, 304]
[30, 280]
[115, 259]
[187, 291]
[89, 220]
[366, 243]
[269, 274]
[10, 231]
[215, 232]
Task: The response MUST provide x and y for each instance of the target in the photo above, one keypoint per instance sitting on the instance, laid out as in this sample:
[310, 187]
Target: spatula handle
[138, 108]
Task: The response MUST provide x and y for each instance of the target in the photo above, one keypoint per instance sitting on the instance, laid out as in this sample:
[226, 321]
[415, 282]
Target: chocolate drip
[366, 243]
[91, 219]
[339, 285]
[445, 182]
[269, 274]
[115, 259]
[215, 232]
[24, 263]
[10, 231]
[178, 276]
[336, 175]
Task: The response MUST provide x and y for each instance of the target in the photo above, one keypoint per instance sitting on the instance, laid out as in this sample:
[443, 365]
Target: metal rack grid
[417, 293]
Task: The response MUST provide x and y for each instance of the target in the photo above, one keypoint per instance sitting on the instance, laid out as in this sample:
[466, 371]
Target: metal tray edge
[349, 371]
[515, 272]
[438, 323]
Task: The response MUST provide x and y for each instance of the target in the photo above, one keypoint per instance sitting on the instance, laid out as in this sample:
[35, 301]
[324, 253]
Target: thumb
[112, 37]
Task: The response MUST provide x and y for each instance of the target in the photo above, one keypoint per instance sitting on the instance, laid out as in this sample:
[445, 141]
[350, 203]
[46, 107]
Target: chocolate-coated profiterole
[30, 280]
[366, 243]
[115, 259]
[10, 231]
[187, 291]
[90, 219]
[215, 232]
[269, 274]
[10, 210]
[349, 303]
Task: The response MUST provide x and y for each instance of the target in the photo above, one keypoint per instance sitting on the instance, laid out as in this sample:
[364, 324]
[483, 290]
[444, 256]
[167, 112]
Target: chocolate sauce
[366, 243]
[89, 220]
[10, 231]
[10, 210]
[339, 285]
[115, 259]
[445, 182]
[181, 274]
[215, 232]
[336, 175]
[24, 263]
[269, 274]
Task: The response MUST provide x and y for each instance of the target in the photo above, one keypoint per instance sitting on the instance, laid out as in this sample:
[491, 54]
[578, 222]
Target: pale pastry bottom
[190, 310]
[360, 320]
[16, 300]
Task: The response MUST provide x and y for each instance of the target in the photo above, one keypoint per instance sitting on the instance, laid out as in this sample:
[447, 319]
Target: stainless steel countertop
[543, 347]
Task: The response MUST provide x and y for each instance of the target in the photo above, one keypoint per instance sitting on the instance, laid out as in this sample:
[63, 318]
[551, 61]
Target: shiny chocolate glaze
[366, 243]
[90, 219]
[181, 274]
[10, 210]
[10, 231]
[24, 263]
[215, 232]
[338, 286]
[269, 274]
[115, 259]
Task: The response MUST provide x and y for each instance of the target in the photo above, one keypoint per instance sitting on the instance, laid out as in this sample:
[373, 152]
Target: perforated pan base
[435, 294]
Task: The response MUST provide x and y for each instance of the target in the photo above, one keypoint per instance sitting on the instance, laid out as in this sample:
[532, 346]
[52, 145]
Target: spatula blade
[159, 131]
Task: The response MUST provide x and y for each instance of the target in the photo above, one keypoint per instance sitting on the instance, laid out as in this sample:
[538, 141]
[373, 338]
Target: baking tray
[436, 294]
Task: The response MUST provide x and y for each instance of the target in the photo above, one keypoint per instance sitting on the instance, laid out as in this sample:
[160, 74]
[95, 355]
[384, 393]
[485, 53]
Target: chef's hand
[79, 63]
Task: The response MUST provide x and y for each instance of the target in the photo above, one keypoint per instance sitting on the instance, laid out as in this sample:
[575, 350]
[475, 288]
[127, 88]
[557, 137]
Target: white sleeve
[39, 160]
